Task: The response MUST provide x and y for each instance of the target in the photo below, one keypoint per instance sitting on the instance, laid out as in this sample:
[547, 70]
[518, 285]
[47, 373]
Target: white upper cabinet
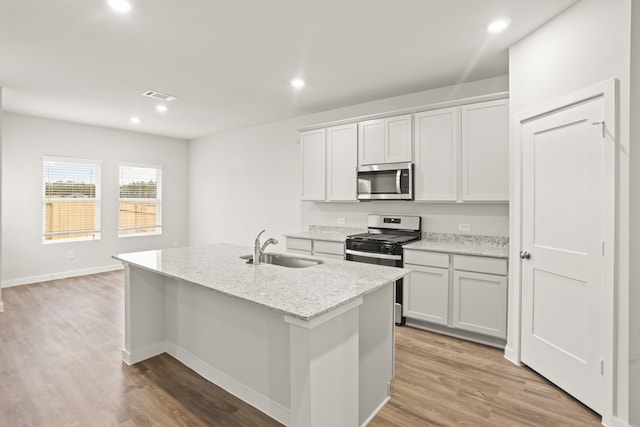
[485, 151]
[385, 140]
[371, 142]
[342, 159]
[462, 153]
[313, 150]
[329, 163]
[436, 151]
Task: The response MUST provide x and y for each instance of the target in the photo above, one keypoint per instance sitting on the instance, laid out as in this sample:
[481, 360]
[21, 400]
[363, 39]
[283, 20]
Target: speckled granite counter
[464, 244]
[327, 233]
[304, 293]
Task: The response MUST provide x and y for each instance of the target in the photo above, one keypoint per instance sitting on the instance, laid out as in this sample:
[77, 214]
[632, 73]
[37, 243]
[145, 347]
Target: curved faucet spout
[267, 243]
[258, 250]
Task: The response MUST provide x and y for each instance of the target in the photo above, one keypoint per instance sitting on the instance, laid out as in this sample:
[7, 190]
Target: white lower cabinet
[299, 246]
[457, 293]
[319, 248]
[426, 294]
[323, 248]
[480, 303]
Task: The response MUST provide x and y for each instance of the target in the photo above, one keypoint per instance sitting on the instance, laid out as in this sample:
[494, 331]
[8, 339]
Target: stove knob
[386, 249]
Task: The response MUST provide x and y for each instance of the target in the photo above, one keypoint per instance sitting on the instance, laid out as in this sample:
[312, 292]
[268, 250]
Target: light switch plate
[464, 227]
[342, 221]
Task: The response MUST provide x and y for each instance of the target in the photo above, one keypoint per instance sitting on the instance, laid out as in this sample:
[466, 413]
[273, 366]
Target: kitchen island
[307, 346]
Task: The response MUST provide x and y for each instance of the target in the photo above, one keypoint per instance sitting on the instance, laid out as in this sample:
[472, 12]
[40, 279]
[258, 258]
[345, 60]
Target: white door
[342, 163]
[313, 151]
[484, 139]
[397, 141]
[563, 232]
[436, 148]
[371, 142]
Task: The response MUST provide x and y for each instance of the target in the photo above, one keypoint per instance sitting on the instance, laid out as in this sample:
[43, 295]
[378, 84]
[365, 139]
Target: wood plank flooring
[60, 365]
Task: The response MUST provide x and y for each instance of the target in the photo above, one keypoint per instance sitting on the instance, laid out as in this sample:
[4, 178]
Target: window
[71, 200]
[140, 200]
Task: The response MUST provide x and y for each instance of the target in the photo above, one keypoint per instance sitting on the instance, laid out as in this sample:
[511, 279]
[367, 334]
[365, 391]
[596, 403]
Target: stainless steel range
[382, 244]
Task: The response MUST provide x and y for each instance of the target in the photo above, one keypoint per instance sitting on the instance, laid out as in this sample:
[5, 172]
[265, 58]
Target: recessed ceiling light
[161, 108]
[134, 120]
[121, 6]
[297, 83]
[498, 25]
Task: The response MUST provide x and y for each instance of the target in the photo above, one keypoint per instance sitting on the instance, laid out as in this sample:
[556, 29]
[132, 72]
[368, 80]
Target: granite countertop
[464, 244]
[303, 293]
[327, 233]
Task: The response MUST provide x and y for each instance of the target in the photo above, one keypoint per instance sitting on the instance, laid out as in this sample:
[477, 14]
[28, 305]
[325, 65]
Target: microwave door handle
[398, 181]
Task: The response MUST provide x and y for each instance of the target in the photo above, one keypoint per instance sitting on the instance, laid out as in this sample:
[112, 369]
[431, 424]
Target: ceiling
[230, 62]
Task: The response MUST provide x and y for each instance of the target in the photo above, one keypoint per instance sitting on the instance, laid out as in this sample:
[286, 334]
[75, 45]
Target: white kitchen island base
[331, 370]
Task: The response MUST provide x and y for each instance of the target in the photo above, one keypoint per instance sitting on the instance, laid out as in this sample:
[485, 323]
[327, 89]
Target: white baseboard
[617, 422]
[374, 413]
[510, 355]
[144, 353]
[241, 391]
[61, 275]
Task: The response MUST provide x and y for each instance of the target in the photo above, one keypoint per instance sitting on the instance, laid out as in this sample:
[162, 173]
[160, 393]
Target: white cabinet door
[436, 155]
[485, 151]
[371, 142]
[426, 294]
[480, 303]
[342, 162]
[313, 150]
[328, 249]
[385, 140]
[398, 141]
[299, 246]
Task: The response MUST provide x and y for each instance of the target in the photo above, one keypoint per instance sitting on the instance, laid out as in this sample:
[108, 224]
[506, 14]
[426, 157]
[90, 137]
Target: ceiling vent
[159, 96]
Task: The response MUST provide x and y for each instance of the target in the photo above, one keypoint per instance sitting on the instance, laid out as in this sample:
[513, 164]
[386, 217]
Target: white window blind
[71, 199]
[140, 200]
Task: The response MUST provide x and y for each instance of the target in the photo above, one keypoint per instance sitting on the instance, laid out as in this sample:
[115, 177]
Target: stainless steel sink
[283, 260]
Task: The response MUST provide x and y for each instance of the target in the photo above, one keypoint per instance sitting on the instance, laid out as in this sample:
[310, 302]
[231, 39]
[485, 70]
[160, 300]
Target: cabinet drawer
[334, 248]
[299, 252]
[431, 259]
[480, 264]
[298, 244]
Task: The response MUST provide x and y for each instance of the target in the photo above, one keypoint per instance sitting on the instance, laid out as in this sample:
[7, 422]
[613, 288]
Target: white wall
[25, 141]
[586, 45]
[249, 179]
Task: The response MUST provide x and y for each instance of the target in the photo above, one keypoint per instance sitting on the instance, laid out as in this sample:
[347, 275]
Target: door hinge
[601, 367]
[601, 126]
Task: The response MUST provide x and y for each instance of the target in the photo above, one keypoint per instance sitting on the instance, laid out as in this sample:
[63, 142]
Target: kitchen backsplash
[481, 219]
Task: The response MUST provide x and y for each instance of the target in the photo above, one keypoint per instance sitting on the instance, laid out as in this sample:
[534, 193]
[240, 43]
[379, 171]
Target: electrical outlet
[71, 255]
[464, 227]
[342, 221]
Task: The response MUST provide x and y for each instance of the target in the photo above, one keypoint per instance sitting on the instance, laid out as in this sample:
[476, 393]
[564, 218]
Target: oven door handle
[398, 189]
[373, 255]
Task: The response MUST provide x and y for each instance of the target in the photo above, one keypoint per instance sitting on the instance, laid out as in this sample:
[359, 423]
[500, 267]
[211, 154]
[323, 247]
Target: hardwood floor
[60, 365]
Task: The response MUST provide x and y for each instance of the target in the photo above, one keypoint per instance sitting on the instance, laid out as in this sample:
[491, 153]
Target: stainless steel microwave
[390, 181]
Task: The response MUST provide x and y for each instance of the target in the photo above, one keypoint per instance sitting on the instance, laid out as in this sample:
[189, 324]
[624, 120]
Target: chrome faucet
[259, 250]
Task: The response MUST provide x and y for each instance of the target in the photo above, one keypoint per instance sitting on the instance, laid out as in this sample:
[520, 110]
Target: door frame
[609, 91]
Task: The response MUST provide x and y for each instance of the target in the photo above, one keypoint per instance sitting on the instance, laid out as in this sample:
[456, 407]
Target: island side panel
[239, 346]
[376, 351]
[144, 300]
[324, 369]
